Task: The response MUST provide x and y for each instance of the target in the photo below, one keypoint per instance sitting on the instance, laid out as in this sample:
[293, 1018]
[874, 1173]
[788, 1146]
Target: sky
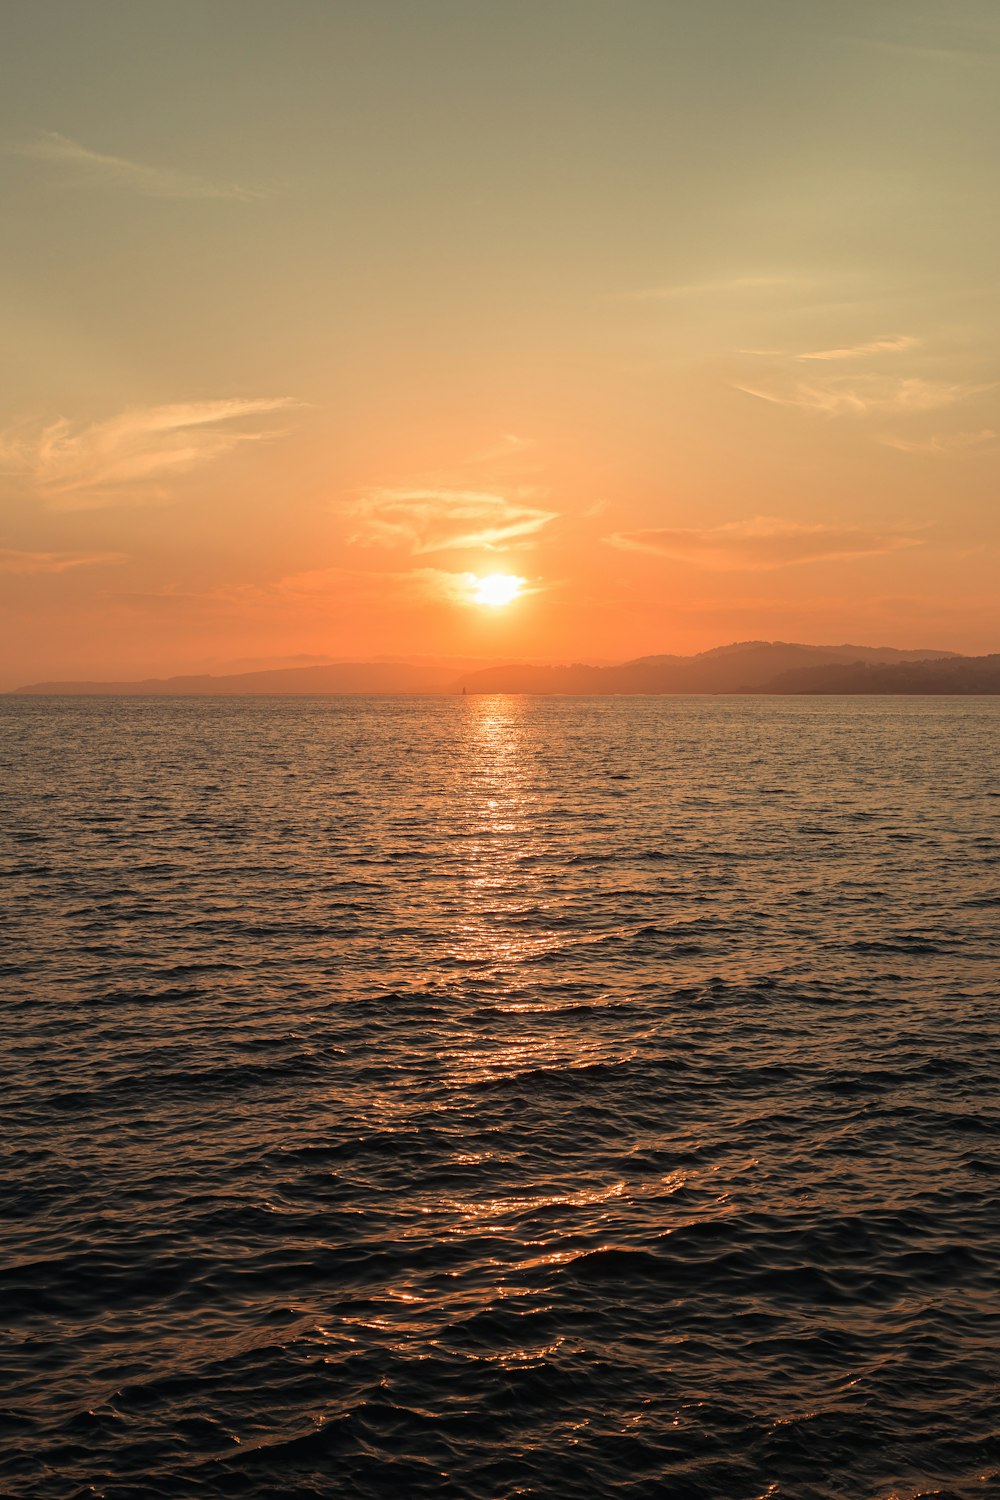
[684, 312]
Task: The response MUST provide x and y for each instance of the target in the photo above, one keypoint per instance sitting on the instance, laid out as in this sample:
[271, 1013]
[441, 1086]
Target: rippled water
[500, 1097]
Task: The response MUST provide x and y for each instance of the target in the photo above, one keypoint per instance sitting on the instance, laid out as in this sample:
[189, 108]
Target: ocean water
[500, 1097]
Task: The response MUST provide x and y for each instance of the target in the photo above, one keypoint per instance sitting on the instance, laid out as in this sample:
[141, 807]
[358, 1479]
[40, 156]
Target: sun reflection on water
[499, 882]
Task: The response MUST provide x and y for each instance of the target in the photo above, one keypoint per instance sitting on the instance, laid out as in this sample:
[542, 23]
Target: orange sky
[685, 313]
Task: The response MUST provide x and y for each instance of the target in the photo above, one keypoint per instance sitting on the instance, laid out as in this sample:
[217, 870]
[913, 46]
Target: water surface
[500, 1097]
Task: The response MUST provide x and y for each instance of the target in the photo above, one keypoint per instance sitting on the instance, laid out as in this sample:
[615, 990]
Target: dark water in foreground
[500, 1098]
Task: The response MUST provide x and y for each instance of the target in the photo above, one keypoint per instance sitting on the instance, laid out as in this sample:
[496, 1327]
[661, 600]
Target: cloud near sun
[124, 459]
[422, 521]
[414, 585]
[762, 543]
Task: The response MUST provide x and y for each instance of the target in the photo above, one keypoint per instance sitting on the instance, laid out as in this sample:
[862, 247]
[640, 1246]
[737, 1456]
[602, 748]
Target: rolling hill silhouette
[744, 667]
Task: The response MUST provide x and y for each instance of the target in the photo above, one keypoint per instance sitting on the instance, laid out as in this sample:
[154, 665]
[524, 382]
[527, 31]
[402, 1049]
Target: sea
[500, 1097]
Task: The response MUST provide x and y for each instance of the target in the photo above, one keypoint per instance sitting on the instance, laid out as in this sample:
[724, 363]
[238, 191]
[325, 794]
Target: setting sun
[497, 589]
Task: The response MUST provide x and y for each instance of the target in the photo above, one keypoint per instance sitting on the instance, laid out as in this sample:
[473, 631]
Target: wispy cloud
[949, 36]
[414, 584]
[13, 561]
[862, 396]
[941, 442]
[761, 543]
[119, 171]
[727, 285]
[322, 592]
[119, 460]
[455, 588]
[863, 351]
[510, 445]
[444, 519]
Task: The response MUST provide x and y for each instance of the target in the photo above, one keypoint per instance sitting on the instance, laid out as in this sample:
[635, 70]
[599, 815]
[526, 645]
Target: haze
[683, 314]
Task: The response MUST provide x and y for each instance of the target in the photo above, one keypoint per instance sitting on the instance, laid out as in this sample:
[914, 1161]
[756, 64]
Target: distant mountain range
[746, 667]
[957, 674]
[352, 678]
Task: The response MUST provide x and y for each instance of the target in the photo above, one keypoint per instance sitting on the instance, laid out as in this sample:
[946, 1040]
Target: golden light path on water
[503, 887]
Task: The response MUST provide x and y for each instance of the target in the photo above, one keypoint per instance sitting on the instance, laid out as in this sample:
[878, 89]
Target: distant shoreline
[501, 693]
[768, 668]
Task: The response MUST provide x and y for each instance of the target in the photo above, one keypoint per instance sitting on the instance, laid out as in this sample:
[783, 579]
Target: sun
[497, 589]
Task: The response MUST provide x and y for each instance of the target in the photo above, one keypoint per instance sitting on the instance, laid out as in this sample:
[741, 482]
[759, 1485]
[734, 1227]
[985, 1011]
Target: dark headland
[772, 667]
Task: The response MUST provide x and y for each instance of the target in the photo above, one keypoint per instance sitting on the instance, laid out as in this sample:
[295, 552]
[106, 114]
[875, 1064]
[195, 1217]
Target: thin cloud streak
[117, 460]
[867, 396]
[119, 171]
[862, 351]
[321, 590]
[760, 544]
[442, 519]
[14, 561]
[727, 285]
[511, 445]
[942, 443]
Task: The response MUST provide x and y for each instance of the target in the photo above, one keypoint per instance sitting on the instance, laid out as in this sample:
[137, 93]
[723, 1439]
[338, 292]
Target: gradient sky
[685, 311]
